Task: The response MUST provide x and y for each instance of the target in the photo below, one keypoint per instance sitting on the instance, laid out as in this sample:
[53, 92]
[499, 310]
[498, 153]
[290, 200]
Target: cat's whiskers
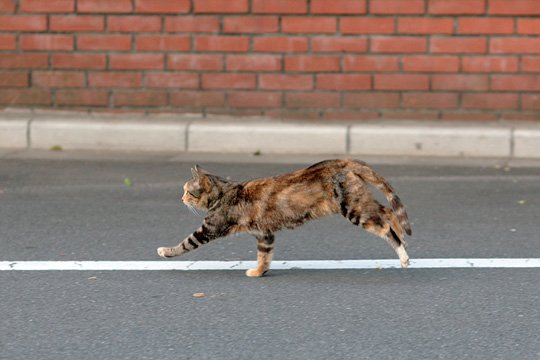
[193, 209]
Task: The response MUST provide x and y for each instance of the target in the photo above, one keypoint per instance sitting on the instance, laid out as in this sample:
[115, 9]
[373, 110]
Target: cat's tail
[365, 172]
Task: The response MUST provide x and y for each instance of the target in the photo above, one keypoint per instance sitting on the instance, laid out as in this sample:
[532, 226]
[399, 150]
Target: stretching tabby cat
[261, 207]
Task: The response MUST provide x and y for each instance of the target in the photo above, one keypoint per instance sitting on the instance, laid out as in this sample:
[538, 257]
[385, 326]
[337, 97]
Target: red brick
[228, 81]
[468, 116]
[459, 82]
[515, 82]
[140, 98]
[285, 82]
[514, 7]
[171, 80]
[350, 115]
[279, 6]
[530, 63]
[104, 6]
[338, 44]
[104, 42]
[7, 6]
[76, 23]
[294, 114]
[13, 79]
[401, 82]
[82, 97]
[396, 6]
[22, 61]
[115, 79]
[197, 99]
[456, 7]
[454, 45]
[431, 63]
[250, 24]
[8, 42]
[162, 6]
[163, 42]
[253, 63]
[520, 116]
[476, 25]
[49, 6]
[343, 82]
[23, 22]
[371, 100]
[425, 100]
[528, 26]
[220, 6]
[259, 99]
[78, 61]
[418, 25]
[312, 100]
[204, 62]
[222, 43]
[371, 63]
[30, 96]
[489, 64]
[530, 101]
[507, 45]
[62, 79]
[136, 61]
[410, 115]
[490, 101]
[191, 24]
[46, 42]
[298, 24]
[338, 7]
[310, 63]
[285, 44]
[398, 44]
[365, 25]
[133, 23]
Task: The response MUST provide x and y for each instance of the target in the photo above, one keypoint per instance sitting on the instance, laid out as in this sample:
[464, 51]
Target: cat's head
[203, 189]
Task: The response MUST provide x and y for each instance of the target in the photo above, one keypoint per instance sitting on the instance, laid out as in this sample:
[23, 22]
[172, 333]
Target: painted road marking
[276, 264]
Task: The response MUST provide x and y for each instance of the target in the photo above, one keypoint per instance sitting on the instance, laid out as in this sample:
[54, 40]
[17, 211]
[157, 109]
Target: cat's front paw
[165, 252]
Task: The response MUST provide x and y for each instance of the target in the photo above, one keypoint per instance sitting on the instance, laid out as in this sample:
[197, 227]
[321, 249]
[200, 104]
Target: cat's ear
[198, 172]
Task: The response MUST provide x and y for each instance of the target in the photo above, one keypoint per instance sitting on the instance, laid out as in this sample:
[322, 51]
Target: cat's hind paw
[404, 263]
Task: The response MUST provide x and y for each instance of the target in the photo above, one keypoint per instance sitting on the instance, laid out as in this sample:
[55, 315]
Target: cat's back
[292, 198]
[316, 174]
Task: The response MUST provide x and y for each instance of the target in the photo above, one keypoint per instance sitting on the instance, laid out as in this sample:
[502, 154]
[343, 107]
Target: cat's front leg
[201, 236]
[265, 251]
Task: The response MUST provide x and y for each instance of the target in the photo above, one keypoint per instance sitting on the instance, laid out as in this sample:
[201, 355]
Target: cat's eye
[192, 194]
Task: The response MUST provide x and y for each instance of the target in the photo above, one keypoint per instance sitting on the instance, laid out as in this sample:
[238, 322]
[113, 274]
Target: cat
[263, 206]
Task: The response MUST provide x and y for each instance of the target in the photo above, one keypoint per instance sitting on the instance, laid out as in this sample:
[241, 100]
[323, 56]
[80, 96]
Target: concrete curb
[189, 133]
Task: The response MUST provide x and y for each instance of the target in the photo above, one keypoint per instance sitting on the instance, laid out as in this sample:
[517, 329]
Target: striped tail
[366, 173]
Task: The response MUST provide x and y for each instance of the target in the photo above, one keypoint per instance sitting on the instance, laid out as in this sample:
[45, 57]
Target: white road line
[276, 264]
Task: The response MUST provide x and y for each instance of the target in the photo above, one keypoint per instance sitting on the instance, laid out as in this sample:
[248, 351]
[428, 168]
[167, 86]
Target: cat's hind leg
[265, 251]
[382, 222]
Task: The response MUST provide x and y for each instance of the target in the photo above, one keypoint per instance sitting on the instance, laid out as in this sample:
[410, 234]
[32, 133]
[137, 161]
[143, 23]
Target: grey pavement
[75, 206]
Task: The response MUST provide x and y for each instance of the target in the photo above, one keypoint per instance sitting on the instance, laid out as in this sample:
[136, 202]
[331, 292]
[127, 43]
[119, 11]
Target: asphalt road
[78, 208]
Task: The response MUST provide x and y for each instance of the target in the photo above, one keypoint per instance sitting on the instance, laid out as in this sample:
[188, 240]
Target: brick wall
[332, 59]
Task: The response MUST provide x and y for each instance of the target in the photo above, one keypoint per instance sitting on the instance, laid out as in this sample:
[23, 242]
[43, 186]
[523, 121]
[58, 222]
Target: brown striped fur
[263, 206]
